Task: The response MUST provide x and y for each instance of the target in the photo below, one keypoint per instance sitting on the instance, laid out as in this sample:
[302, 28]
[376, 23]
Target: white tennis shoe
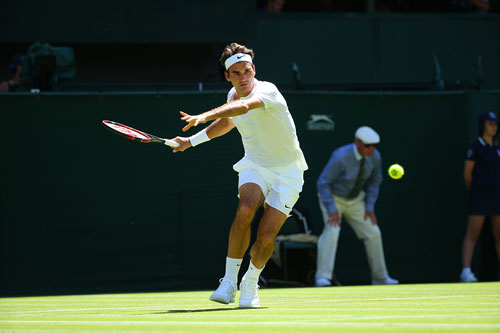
[249, 298]
[468, 277]
[322, 282]
[387, 280]
[225, 293]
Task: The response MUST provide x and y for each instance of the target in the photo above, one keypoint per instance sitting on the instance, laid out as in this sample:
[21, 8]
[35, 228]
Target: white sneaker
[322, 282]
[468, 277]
[225, 293]
[388, 280]
[249, 297]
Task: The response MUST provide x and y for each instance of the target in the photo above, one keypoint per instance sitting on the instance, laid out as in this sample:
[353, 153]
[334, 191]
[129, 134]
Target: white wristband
[199, 138]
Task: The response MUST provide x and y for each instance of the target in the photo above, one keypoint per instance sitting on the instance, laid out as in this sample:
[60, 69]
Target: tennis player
[270, 173]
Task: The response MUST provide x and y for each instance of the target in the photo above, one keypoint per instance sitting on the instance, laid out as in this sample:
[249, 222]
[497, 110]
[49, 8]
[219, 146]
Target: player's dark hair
[233, 49]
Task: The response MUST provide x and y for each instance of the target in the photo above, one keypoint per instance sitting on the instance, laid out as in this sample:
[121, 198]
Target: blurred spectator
[380, 6]
[45, 66]
[348, 6]
[15, 67]
[474, 5]
[483, 5]
[482, 179]
[273, 6]
[326, 5]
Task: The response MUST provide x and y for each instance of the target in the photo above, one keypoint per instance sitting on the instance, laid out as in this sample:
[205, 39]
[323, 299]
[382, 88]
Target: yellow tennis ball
[396, 171]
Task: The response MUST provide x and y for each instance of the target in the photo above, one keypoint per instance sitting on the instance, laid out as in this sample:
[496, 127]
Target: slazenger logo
[320, 122]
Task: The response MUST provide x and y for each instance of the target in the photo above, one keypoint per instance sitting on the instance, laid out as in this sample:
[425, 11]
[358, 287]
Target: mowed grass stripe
[245, 326]
[447, 307]
[241, 322]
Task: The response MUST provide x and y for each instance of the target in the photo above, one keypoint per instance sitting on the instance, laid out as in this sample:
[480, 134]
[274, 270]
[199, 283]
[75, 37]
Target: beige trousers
[352, 211]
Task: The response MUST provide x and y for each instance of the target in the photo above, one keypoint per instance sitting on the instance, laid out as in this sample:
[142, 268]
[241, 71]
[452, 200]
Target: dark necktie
[359, 180]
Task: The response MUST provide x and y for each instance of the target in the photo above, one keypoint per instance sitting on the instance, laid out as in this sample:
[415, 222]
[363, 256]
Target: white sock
[253, 272]
[466, 270]
[232, 269]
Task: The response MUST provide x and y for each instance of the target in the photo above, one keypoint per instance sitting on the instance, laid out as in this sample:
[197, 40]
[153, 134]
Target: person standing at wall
[348, 187]
[15, 67]
[482, 179]
[270, 173]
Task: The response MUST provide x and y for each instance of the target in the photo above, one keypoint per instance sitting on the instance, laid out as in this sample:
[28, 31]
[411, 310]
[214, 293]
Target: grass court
[456, 307]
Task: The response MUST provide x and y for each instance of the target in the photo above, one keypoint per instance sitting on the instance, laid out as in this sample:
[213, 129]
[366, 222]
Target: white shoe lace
[227, 286]
[249, 289]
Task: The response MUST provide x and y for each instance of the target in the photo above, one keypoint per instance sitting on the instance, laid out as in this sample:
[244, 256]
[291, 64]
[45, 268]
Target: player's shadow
[204, 310]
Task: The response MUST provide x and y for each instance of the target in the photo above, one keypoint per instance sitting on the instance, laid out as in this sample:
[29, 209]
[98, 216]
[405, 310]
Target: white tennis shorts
[281, 186]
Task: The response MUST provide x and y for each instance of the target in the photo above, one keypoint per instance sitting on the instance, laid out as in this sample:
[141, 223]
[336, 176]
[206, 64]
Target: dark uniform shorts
[487, 205]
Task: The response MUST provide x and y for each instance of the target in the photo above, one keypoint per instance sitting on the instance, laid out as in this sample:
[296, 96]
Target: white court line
[87, 309]
[355, 300]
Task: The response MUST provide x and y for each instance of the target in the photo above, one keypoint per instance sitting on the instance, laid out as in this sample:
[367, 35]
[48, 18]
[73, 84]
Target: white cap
[367, 135]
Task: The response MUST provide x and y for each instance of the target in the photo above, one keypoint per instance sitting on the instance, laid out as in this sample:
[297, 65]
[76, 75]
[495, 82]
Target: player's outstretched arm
[227, 110]
[217, 128]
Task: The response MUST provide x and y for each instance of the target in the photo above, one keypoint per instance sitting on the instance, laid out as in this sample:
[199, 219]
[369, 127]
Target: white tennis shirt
[268, 133]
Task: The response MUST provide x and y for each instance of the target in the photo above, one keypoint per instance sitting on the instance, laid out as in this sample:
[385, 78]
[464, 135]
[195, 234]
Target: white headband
[237, 58]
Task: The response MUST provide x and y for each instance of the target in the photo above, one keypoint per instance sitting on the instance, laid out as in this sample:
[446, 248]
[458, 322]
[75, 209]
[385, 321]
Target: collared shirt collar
[486, 144]
[356, 153]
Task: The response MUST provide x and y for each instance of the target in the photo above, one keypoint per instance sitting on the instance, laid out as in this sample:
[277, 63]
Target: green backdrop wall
[169, 41]
[126, 21]
[83, 210]
[385, 48]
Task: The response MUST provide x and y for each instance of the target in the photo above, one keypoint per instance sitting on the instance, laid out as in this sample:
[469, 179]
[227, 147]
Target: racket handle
[171, 143]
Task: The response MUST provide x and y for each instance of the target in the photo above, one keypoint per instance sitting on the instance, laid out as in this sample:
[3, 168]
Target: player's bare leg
[261, 251]
[269, 226]
[251, 198]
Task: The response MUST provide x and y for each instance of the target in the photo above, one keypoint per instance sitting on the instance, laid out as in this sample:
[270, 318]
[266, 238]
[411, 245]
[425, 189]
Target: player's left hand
[371, 216]
[191, 120]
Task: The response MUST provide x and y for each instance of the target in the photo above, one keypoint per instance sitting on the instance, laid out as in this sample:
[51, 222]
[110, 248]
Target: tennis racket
[136, 135]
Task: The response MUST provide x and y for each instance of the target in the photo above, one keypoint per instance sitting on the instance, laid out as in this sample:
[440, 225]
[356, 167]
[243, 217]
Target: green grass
[473, 307]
